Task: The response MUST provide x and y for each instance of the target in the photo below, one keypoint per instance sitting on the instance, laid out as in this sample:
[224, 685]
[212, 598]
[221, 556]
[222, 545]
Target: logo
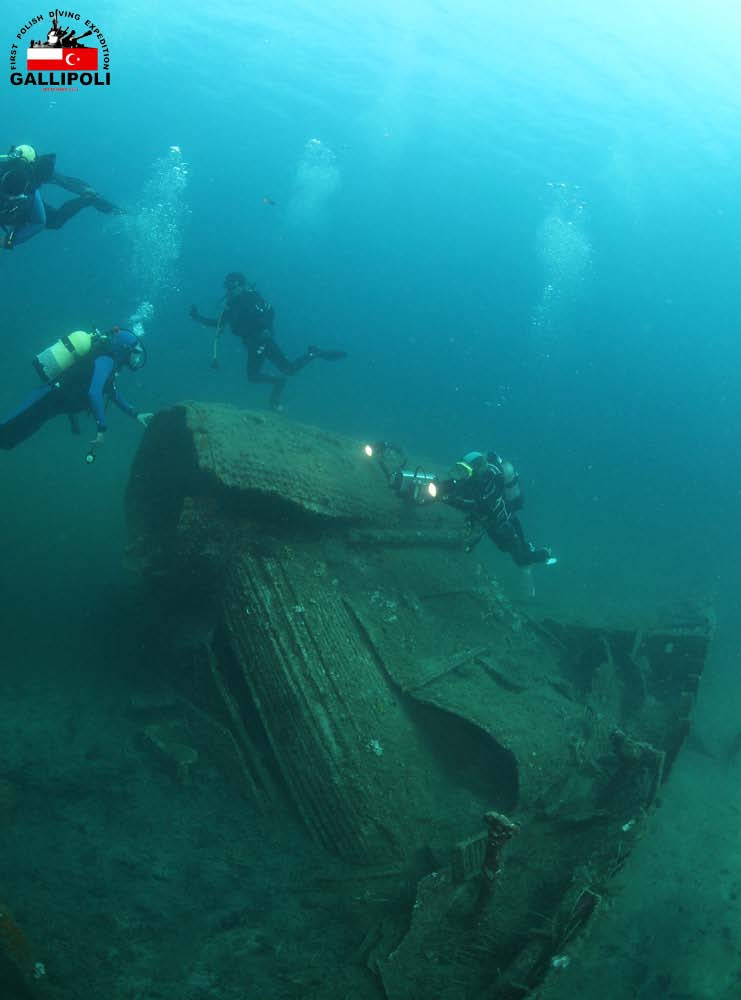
[51, 52]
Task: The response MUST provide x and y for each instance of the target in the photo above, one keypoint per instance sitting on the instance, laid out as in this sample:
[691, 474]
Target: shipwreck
[343, 659]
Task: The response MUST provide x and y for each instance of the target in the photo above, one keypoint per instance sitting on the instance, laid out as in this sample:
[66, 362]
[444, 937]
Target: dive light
[415, 485]
[378, 449]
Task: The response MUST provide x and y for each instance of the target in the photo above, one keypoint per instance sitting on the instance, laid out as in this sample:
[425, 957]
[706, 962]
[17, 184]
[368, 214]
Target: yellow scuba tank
[63, 354]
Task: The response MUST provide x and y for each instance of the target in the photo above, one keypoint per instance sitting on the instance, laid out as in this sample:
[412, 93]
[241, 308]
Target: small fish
[268, 201]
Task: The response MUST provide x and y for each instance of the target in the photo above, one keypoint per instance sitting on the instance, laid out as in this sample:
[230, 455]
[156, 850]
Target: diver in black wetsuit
[23, 212]
[487, 488]
[251, 319]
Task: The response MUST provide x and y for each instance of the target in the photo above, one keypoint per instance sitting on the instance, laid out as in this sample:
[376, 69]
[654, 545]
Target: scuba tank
[57, 359]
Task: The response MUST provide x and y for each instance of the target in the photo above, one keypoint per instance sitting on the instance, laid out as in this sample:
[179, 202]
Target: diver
[80, 373]
[251, 319]
[23, 212]
[487, 488]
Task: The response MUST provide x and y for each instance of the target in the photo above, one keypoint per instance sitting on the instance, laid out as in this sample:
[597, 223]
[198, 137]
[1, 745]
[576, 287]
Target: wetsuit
[491, 504]
[251, 318]
[86, 388]
[24, 213]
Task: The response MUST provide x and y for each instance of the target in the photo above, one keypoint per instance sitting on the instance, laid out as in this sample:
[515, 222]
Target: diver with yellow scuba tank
[79, 374]
[23, 212]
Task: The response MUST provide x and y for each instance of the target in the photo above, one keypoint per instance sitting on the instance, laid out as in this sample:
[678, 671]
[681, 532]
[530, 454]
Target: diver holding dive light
[486, 487]
[79, 374]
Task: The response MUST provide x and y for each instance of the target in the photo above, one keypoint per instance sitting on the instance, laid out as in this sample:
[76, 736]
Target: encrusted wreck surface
[349, 662]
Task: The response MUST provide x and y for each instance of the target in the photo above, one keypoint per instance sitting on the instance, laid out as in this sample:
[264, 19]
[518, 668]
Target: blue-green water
[521, 221]
[522, 225]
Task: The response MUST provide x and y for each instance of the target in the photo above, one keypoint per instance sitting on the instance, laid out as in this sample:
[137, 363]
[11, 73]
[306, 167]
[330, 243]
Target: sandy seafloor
[131, 887]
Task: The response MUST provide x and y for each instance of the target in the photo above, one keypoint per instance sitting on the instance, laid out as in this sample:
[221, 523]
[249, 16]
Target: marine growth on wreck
[343, 659]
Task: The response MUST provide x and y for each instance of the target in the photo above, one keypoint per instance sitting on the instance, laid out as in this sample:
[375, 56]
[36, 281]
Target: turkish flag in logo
[82, 58]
